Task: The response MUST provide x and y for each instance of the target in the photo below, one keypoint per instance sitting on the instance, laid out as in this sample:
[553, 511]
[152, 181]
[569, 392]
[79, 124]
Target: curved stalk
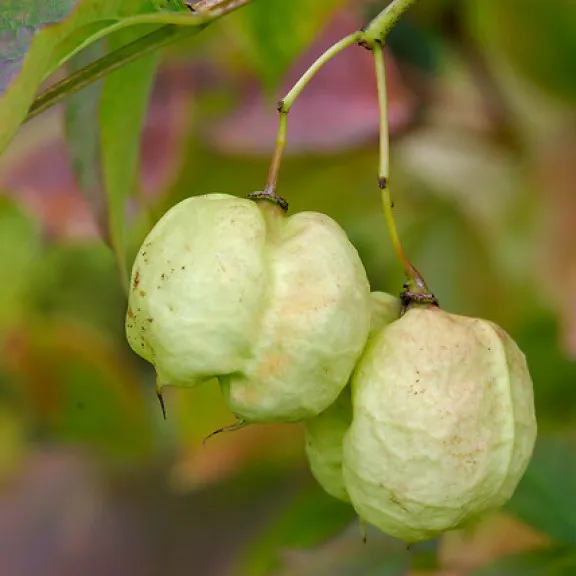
[285, 105]
[371, 35]
[415, 281]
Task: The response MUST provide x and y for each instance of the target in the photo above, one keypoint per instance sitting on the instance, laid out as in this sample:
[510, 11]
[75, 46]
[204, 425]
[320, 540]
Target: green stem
[285, 105]
[379, 27]
[416, 283]
[288, 101]
[272, 182]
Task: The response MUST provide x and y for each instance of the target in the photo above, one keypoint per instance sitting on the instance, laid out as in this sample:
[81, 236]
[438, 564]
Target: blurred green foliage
[471, 207]
[539, 43]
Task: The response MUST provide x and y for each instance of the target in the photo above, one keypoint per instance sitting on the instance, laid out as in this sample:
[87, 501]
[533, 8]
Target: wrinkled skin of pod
[443, 424]
[325, 433]
[276, 307]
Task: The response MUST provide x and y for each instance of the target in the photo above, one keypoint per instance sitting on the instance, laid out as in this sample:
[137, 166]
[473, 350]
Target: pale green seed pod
[443, 424]
[325, 433]
[276, 307]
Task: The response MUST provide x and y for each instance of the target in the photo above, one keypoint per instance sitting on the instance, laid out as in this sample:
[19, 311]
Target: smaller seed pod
[325, 433]
[443, 424]
[276, 307]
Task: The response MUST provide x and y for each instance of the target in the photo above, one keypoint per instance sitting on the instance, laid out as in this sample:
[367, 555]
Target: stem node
[271, 197]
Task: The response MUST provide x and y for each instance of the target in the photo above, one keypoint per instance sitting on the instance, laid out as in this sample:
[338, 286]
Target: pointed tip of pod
[162, 405]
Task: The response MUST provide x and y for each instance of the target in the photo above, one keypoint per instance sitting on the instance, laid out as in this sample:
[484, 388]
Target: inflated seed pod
[443, 424]
[276, 307]
[325, 432]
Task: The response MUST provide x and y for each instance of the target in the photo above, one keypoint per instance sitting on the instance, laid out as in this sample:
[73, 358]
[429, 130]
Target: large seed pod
[325, 433]
[443, 424]
[276, 307]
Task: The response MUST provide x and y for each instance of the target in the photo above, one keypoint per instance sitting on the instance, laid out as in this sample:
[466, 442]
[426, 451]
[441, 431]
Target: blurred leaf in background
[273, 34]
[560, 561]
[539, 41]
[104, 130]
[546, 498]
[20, 249]
[309, 519]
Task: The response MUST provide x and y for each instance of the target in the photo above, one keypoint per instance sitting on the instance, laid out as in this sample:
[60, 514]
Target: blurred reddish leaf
[49, 189]
[337, 111]
[497, 536]
[195, 413]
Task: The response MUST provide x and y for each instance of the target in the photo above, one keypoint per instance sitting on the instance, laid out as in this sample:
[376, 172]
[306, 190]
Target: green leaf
[560, 561]
[553, 372]
[85, 392]
[78, 281]
[125, 98]
[48, 47]
[272, 34]
[546, 496]
[310, 519]
[104, 128]
[538, 38]
[83, 137]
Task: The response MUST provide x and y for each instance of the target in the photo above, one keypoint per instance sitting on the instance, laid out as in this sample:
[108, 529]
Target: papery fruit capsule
[443, 424]
[276, 307]
[325, 432]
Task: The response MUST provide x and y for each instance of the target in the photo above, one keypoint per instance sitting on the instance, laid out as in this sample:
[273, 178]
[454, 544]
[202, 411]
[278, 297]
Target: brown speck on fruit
[150, 320]
[142, 293]
[162, 276]
[183, 268]
[130, 313]
[136, 280]
[394, 500]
